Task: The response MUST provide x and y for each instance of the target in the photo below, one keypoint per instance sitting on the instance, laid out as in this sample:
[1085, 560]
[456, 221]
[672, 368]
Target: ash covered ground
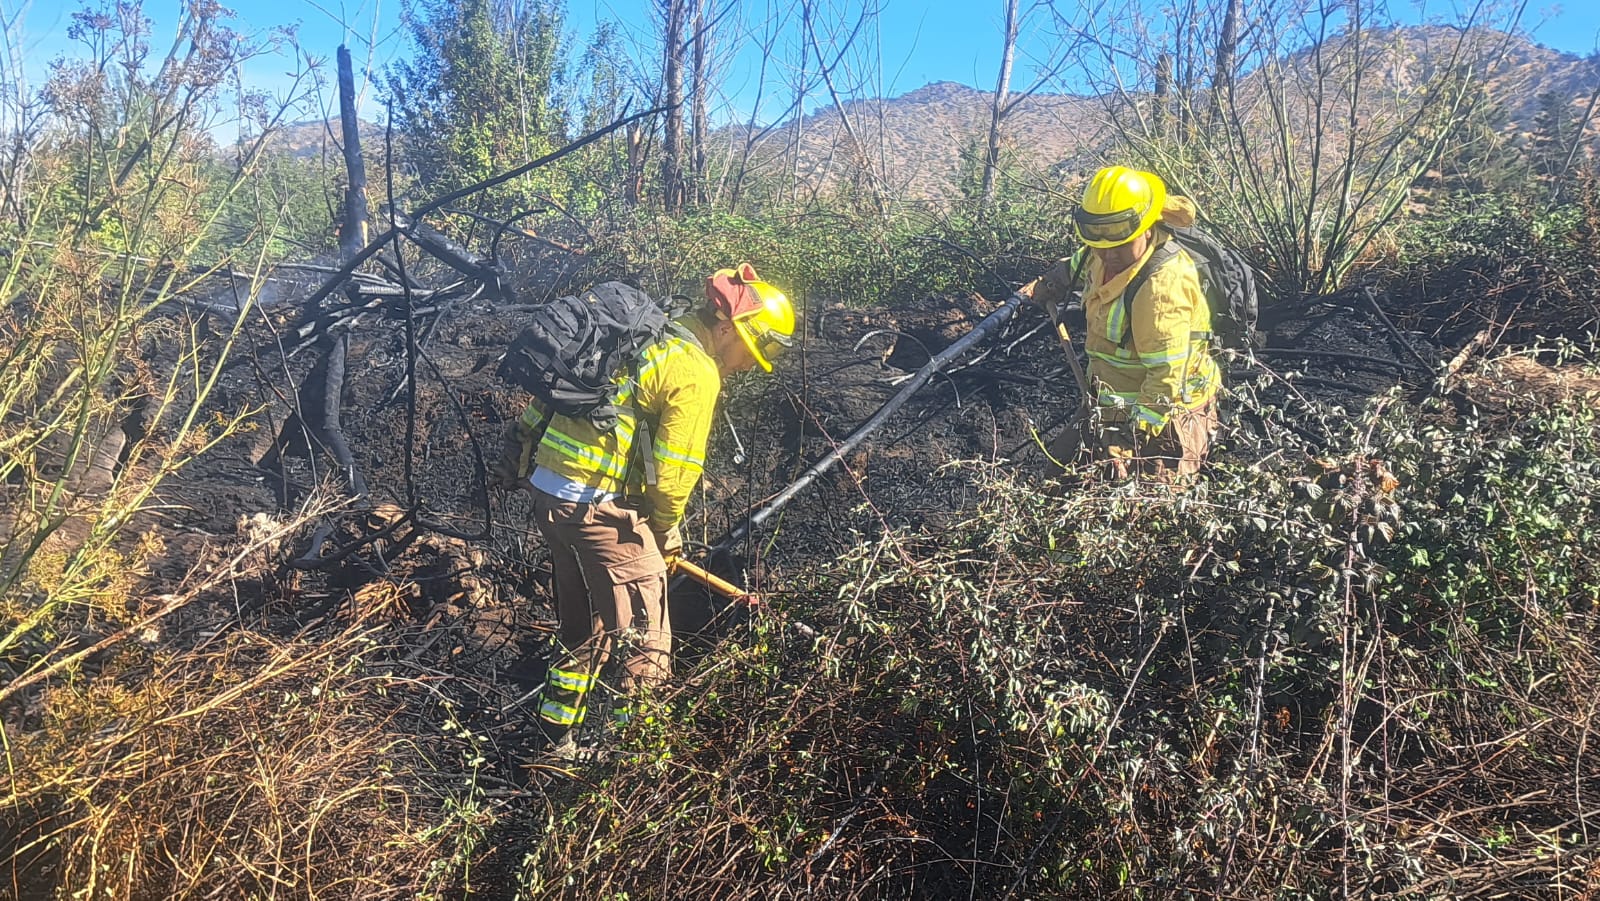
[482, 606]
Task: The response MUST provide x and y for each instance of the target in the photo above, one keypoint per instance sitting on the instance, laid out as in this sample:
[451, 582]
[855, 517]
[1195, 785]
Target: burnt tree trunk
[353, 230]
[672, 186]
[1227, 52]
[319, 399]
[997, 111]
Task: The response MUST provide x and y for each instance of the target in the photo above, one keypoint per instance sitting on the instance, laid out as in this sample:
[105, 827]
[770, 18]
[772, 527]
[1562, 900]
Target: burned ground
[479, 607]
[469, 614]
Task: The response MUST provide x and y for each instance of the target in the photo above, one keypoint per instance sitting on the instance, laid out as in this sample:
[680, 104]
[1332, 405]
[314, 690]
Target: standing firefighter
[1154, 381]
[609, 501]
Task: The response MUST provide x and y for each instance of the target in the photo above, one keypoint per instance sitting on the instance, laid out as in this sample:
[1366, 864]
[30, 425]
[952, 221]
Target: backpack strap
[643, 449]
[678, 330]
[1159, 257]
[643, 440]
[1206, 256]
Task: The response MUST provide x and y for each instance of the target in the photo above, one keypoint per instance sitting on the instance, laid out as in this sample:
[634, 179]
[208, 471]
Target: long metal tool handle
[982, 330]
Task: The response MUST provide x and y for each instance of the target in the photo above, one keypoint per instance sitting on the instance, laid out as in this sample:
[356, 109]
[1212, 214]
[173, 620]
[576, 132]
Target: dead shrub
[251, 768]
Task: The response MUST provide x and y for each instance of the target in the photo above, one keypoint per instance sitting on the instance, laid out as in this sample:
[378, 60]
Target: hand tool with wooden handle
[1065, 339]
[714, 582]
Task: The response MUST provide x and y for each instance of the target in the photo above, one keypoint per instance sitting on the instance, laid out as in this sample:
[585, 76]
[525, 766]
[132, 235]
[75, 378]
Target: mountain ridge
[919, 143]
[925, 130]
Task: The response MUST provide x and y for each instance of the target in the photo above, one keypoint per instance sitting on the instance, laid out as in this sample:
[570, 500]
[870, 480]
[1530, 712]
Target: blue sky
[919, 42]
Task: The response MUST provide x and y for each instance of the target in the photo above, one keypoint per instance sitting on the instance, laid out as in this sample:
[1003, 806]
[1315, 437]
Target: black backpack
[1227, 279]
[570, 355]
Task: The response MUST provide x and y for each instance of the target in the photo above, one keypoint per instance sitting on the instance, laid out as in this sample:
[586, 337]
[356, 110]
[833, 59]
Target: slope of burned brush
[1351, 661]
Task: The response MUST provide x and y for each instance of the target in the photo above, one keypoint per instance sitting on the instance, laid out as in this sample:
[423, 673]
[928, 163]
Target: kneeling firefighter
[1154, 382]
[609, 512]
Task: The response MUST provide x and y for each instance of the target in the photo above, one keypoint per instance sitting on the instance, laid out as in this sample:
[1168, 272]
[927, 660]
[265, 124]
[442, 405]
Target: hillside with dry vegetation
[924, 143]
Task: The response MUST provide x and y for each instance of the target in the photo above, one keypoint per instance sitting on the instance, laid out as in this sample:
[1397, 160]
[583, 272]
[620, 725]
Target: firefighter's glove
[510, 470]
[671, 543]
[1119, 460]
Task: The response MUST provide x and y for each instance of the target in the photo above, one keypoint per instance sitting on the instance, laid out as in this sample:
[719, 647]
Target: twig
[1371, 297]
[379, 242]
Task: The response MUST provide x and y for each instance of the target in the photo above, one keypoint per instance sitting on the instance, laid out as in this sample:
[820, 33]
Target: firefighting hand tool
[1087, 427]
[714, 582]
[1065, 338]
[739, 455]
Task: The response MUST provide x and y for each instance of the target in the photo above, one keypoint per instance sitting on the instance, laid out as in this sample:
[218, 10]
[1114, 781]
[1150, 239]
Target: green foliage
[123, 205]
[482, 94]
[298, 199]
[822, 254]
[492, 86]
[1260, 686]
[836, 256]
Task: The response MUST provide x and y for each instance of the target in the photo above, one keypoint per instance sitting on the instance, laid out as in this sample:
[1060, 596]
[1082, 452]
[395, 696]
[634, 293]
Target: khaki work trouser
[1176, 453]
[611, 588]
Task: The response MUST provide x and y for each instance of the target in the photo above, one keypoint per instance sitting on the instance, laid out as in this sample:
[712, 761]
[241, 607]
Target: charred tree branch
[988, 326]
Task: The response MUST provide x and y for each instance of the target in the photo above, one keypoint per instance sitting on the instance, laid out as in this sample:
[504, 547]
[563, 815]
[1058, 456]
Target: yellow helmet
[760, 313]
[1119, 204]
[769, 327]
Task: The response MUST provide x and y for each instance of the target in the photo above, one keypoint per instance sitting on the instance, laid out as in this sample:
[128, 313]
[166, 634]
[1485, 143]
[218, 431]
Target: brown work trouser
[1176, 453]
[611, 587]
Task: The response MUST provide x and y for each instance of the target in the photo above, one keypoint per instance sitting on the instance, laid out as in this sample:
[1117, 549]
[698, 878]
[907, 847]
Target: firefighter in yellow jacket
[611, 532]
[1155, 382]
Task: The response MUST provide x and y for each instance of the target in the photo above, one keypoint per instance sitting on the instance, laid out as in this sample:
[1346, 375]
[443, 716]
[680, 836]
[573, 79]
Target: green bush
[1318, 674]
[837, 255]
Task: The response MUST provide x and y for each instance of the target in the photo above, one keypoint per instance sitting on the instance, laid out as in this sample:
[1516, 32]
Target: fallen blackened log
[379, 242]
[987, 327]
[1351, 360]
[454, 255]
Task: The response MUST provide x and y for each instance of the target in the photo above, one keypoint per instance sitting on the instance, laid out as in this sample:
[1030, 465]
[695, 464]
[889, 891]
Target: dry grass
[250, 767]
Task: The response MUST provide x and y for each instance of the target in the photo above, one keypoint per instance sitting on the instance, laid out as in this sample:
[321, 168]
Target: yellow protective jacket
[1167, 364]
[677, 391]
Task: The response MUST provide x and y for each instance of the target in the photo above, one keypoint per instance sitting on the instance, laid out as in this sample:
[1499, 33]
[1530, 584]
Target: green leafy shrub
[1318, 674]
[840, 256]
[1508, 262]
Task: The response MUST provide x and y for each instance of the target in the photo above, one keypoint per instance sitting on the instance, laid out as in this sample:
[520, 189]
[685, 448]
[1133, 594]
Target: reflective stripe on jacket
[1167, 364]
[677, 390]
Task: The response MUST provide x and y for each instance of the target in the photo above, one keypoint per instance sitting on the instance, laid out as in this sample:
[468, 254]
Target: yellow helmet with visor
[768, 328]
[1119, 204]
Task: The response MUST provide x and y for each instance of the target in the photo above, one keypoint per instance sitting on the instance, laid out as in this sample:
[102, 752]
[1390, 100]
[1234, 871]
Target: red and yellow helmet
[761, 314]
